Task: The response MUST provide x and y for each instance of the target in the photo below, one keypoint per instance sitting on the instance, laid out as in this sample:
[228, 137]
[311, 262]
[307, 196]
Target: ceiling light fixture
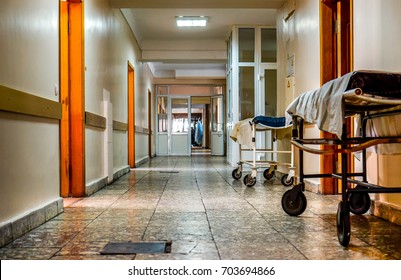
[191, 21]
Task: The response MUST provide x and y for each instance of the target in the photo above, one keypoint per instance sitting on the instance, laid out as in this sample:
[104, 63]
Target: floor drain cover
[169, 172]
[136, 248]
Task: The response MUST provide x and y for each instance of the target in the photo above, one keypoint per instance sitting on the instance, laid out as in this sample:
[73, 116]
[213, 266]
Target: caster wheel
[359, 203]
[286, 182]
[249, 181]
[293, 207]
[343, 224]
[236, 174]
[268, 175]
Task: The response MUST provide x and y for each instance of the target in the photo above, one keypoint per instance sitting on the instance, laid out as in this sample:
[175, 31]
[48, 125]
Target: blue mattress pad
[270, 121]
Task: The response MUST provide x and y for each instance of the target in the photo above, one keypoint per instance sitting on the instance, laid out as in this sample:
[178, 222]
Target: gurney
[375, 98]
[244, 133]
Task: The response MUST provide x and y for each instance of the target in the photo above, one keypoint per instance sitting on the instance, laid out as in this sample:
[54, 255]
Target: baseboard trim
[121, 172]
[15, 229]
[101, 183]
[142, 161]
[95, 186]
[386, 211]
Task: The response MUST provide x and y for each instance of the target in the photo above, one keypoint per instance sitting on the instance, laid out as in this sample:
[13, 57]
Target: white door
[162, 125]
[180, 139]
[217, 125]
[269, 95]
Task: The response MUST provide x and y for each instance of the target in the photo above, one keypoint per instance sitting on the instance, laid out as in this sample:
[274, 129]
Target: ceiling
[174, 52]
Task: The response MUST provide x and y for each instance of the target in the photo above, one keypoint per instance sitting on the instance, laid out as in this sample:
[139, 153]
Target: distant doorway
[200, 125]
[190, 120]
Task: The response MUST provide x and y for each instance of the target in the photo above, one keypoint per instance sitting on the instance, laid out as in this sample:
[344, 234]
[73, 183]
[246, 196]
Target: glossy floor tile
[195, 203]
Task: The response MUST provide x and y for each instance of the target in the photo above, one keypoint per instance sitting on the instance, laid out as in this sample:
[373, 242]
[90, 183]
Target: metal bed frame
[353, 199]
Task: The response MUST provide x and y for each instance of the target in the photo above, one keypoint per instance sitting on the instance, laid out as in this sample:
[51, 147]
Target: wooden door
[336, 60]
[72, 125]
[150, 124]
[131, 116]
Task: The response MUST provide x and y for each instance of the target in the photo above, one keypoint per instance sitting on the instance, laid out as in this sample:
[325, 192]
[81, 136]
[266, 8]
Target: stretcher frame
[271, 166]
[353, 199]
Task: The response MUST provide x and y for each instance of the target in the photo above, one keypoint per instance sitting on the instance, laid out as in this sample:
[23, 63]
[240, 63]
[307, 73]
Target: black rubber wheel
[359, 203]
[236, 174]
[293, 207]
[286, 182]
[343, 225]
[246, 179]
[249, 181]
[268, 175]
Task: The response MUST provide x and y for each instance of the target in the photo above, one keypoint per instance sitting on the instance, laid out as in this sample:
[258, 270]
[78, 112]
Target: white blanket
[385, 126]
[242, 133]
[324, 106]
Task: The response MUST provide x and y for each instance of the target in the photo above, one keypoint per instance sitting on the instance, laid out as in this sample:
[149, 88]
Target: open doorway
[190, 120]
[200, 125]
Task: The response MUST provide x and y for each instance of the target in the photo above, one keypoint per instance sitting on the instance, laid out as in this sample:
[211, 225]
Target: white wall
[29, 146]
[300, 36]
[109, 47]
[377, 38]
[377, 35]
[143, 85]
[99, 74]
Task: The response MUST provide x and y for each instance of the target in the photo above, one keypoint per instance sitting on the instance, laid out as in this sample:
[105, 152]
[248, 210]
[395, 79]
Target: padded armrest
[383, 84]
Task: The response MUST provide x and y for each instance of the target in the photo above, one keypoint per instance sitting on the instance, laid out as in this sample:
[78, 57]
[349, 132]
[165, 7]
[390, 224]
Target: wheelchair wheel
[293, 207]
[268, 175]
[343, 224]
[236, 174]
[286, 182]
[249, 181]
[359, 203]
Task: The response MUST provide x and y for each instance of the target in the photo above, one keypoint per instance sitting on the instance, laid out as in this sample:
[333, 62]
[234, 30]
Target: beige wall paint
[299, 36]
[376, 39]
[109, 47]
[29, 146]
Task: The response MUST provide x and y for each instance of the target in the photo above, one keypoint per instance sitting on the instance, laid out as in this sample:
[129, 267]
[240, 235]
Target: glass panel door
[270, 86]
[246, 44]
[246, 92]
[217, 125]
[180, 126]
[270, 93]
[269, 45]
[162, 125]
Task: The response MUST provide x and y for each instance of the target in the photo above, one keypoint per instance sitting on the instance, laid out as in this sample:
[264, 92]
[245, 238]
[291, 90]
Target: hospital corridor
[200, 130]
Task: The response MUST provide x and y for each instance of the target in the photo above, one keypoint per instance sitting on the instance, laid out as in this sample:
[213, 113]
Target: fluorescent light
[185, 21]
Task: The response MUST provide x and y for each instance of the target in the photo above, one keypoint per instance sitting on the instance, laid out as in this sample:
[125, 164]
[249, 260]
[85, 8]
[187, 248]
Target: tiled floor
[195, 203]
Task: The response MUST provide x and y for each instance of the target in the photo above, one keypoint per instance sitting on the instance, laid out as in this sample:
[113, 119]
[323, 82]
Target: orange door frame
[131, 116]
[336, 60]
[150, 123]
[72, 125]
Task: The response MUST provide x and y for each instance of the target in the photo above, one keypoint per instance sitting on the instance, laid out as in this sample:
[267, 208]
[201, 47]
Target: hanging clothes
[199, 133]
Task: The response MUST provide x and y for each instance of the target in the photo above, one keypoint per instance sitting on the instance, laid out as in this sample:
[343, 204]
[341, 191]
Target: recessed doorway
[190, 120]
[200, 125]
